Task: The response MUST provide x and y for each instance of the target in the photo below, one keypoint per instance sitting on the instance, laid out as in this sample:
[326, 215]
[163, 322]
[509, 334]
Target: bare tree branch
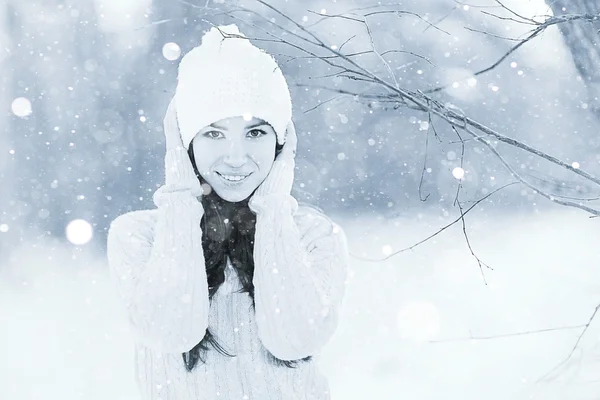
[515, 13]
[506, 335]
[425, 163]
[539, 28]
[480, 263]
[356, 19]
[548, 375]
[536, 32]
[453, 117]
[492, 34]
[422, 102]
[360, 53]
[392, 75]
[462, 215]
[526, 183]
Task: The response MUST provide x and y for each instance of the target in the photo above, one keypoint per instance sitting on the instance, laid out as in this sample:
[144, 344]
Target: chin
[233, 197]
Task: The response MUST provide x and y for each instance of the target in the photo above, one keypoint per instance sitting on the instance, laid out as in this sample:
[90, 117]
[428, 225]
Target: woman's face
[234, 155]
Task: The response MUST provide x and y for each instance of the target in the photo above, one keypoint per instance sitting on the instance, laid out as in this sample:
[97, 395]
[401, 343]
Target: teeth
[234, 178]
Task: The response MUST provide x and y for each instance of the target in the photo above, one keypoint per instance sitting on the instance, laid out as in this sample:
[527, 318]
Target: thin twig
[357, 19]
[441, 19]
[462, 159]
[360, 53]
[424, 166]
[515, 174]
[462, 216]
[540, 27]
[392, 75]
[563, 362]
[464, 229]
[322, 103]
[438, 231]
[346, 41]
[492, 34]
[508, 19]
[515, 13]
[506, 335]
[536, 32]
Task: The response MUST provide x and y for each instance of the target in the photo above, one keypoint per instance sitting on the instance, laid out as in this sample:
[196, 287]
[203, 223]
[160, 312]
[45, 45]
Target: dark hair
[219, 240]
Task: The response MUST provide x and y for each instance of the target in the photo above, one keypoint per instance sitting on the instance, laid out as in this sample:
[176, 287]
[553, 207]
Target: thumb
[291, 142]
[171, 126]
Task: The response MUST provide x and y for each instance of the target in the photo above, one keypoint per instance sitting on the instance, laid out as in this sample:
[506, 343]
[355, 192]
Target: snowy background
[66, 338]
[84, 86]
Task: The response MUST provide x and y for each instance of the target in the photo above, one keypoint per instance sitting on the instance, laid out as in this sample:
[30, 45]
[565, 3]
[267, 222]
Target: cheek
[265, 162]
[264, 155]
[205, 157]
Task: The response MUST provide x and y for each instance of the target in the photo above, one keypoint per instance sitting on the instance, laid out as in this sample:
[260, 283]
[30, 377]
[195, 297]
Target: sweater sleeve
[157, 264]
[301, 260]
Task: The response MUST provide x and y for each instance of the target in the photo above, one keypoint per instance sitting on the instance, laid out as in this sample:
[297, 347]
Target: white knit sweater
[157, 264]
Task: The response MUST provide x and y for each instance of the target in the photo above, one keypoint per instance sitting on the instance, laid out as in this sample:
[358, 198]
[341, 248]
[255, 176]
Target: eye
[210, 135]
[256, 133]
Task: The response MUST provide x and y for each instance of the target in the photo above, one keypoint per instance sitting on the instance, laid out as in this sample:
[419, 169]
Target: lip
[232, 183]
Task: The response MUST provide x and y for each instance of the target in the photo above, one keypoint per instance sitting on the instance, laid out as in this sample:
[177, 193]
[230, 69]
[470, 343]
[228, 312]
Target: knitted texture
[227, 76]
[157, 265]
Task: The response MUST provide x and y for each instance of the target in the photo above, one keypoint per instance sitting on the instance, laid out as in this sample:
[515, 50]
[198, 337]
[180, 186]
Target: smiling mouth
[233, 178]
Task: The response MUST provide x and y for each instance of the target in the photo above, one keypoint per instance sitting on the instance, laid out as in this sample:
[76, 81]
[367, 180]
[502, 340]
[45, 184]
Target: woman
[229, 285]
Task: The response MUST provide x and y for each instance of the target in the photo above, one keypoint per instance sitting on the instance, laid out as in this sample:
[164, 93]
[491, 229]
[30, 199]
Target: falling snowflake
[79, 232]
[171, 51]
[458, 173]
[21, 107]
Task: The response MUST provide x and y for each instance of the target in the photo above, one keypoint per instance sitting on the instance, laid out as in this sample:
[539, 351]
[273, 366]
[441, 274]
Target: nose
[236, 157]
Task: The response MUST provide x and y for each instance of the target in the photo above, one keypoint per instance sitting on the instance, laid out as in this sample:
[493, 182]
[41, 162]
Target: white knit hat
[227, 77]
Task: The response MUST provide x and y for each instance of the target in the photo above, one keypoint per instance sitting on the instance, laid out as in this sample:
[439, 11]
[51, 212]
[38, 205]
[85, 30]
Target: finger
[291, 142]
[291, 133]
[170, 120]
[171, 125]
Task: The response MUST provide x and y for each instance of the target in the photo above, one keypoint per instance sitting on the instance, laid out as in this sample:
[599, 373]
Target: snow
[21, 107]
[85, 91]
[386, 250]
[79, 232]
[418, 321]
[171, 51]
[406, 322]
[458, 173]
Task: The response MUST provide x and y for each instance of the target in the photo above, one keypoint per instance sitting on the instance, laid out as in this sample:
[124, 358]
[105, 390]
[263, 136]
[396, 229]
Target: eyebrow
[259, 123]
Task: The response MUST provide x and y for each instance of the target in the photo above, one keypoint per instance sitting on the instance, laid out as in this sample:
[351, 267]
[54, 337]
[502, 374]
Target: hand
[291, 143]
[171, 127]
[178, 166]
[281, 177]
